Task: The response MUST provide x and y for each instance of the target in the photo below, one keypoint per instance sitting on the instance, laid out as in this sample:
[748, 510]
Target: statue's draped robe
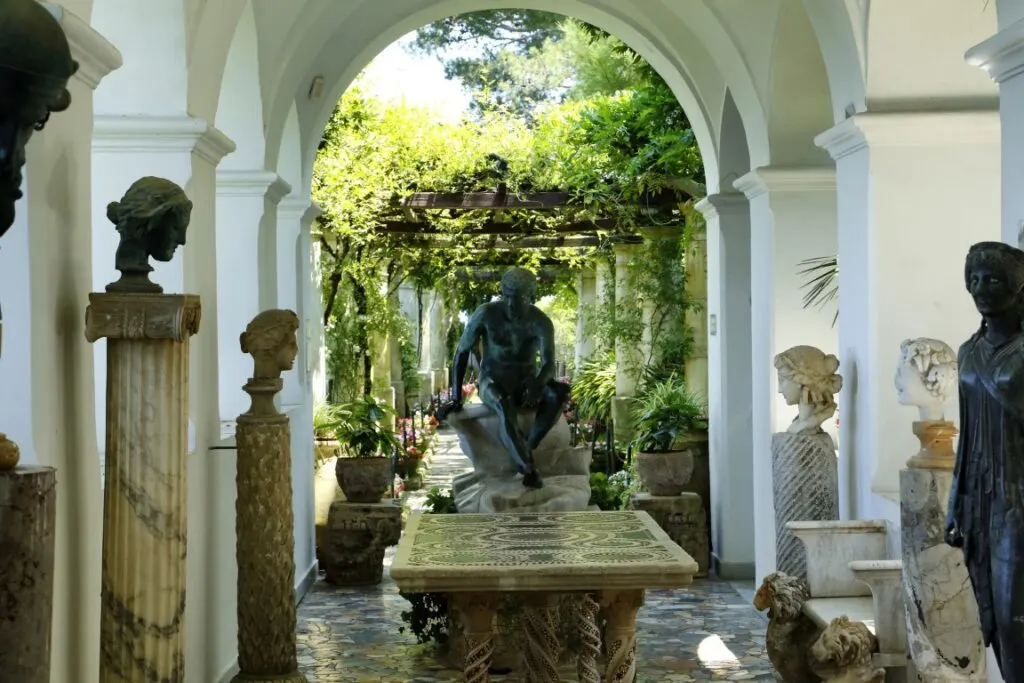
[987, 498]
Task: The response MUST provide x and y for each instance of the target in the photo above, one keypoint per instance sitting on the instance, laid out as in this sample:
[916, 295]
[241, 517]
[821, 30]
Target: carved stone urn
[665, 474]
[364, 480]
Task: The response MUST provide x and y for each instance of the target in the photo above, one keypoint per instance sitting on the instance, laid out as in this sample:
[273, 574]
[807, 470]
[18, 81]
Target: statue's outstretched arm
[467, 342]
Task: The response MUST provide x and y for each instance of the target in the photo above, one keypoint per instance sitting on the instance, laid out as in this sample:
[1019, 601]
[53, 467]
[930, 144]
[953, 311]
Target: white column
[292, 251]
[586, 292]
[903, 236]
[729, 383]
[245, 201]
[47, 404]
[792, 218]
[1002, 58]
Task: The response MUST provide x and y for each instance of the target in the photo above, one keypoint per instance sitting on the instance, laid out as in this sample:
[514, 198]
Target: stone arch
[733, 153]
[370, 33]
[839, 28]
[239, 110]
[213, 29]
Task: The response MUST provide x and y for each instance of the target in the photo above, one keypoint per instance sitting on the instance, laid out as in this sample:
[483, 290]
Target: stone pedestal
[494, 485]
[936, 437]
[943, 628]
[144, 500]
[264, 521]
[683, 518]
[357, 535]
[805, 480]
[28, 509]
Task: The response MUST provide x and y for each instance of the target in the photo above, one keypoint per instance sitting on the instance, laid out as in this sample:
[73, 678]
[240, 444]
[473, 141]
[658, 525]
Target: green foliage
[440, 502]
[593, 387]
[822, 283]
[561, 307]
[665, 415]
[359, 429]
[609, 492]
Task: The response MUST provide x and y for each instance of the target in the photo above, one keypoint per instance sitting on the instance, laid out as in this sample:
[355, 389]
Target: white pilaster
[792, 218]
[295, 214]
[46, 367]
[729, 383]
[586, 292]
[1002, 58]
[904, 231]
[247, 204]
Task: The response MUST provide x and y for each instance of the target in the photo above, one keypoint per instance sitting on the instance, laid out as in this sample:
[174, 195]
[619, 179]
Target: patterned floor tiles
[352, 635]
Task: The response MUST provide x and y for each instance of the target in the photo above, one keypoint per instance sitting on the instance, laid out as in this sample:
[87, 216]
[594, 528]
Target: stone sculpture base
[805, 479]
[700, 478]
[357, 535]
[495, 486]
[936, 437]
[683, 518]
[28, 510]
[943, 628]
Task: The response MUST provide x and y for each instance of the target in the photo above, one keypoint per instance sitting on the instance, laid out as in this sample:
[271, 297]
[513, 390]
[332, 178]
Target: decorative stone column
[586, 291]
[357, 536]
[144, 502]
[264, 521]
[28, 511]
[629, 357]
[696, 318]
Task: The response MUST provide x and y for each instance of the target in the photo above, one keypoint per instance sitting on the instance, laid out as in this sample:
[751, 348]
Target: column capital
[252, 183]
[299, 208]
[786, 179]
[1002, 55]
[910, 129]
[142, 316]
[161, 134]
[96, 56]
[722, 204]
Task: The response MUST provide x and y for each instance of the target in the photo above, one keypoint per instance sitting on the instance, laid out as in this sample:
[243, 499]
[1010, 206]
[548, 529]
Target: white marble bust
[926, 376]
[808, 379]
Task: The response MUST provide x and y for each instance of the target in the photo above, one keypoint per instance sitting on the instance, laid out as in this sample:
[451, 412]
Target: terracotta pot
[665, 474]
[364, 480]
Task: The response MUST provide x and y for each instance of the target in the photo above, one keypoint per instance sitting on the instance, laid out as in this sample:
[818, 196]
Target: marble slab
[556, 551]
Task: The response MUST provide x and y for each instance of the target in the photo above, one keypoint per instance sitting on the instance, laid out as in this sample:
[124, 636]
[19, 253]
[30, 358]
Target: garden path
[352, 635]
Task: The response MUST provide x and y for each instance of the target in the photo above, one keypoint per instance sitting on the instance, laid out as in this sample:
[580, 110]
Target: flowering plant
[414, 452]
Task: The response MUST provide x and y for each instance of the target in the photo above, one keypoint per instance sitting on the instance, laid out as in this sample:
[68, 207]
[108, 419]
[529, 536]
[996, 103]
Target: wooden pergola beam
[579, 242]
[536, 201]
[546, 273]
[499, 228]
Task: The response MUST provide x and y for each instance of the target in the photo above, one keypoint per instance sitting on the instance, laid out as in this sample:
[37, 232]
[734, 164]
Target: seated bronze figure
[986, 504]
[511, 333]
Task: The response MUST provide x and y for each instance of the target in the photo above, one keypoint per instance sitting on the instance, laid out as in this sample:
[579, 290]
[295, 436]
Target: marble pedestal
[357, 536]
[805, 482]
[943, 628]
[28, 509]
[144, 500]
[683, 518]
[495, 486]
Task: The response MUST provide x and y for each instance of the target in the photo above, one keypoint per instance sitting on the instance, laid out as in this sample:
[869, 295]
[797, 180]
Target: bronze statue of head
[35, 66]
[994, 276]
[270, 339]
[152, 219]
[518, 287]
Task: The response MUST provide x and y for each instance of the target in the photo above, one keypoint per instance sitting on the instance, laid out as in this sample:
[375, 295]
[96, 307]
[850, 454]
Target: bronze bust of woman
[986, 503]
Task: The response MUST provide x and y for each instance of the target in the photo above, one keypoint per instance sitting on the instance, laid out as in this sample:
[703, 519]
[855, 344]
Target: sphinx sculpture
[943, 632]
[805, 476]
[986, 501]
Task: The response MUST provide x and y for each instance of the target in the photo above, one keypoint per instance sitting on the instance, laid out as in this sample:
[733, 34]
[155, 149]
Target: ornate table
[610, 557]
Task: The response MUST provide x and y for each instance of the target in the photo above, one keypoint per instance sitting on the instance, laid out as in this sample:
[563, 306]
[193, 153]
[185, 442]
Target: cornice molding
[910, 129]
[161, 134]
[256, 183]
[300, 209]
[96, 56]
[786, 179]
[722, 204]
[1002, 55]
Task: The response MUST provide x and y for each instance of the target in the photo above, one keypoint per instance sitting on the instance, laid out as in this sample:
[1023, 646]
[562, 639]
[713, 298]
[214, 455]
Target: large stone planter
[325, 492]
[364, 480]
[665, 474]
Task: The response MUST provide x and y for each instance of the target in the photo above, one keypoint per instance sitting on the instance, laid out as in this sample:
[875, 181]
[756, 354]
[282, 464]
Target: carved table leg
[477, 611]
[590, 640]
[620, 634]
[542, 646]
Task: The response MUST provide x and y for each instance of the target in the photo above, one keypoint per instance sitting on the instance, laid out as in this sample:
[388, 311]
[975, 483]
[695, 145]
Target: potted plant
[325, 441]
[364, 468]
[670, 422]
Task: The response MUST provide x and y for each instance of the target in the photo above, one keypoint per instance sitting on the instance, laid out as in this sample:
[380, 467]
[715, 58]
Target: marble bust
[151, 219]
[808, 379]
[270, 339]
[926, 376]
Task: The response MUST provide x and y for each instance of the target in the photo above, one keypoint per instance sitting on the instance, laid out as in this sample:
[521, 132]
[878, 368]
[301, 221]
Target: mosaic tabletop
[558, 551]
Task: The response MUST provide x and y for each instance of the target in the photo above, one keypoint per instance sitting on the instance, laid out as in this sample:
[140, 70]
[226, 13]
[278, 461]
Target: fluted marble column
[943, 628]
[144, 501]
[264, 521]
[28, 510]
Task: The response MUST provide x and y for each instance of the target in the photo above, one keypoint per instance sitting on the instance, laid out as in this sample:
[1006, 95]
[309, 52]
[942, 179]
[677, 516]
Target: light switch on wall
[713, 324]
[191, 437]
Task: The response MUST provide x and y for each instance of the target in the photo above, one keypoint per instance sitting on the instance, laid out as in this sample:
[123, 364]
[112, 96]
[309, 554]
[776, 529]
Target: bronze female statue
[986, 504]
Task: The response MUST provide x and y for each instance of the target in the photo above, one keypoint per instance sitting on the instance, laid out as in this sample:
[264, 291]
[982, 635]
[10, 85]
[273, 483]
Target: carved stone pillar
[620, 634]
[264, 521]
[144, 500]
[28, 509]
[477, 611]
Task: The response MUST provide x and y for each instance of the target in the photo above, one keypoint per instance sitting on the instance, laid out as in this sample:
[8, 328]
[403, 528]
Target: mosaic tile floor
[351, 635]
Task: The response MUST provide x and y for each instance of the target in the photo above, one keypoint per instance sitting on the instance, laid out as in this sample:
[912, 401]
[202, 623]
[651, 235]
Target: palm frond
[822, 285]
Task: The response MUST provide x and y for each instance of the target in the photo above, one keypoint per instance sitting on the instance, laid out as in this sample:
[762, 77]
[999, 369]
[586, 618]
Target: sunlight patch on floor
[713, 652]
